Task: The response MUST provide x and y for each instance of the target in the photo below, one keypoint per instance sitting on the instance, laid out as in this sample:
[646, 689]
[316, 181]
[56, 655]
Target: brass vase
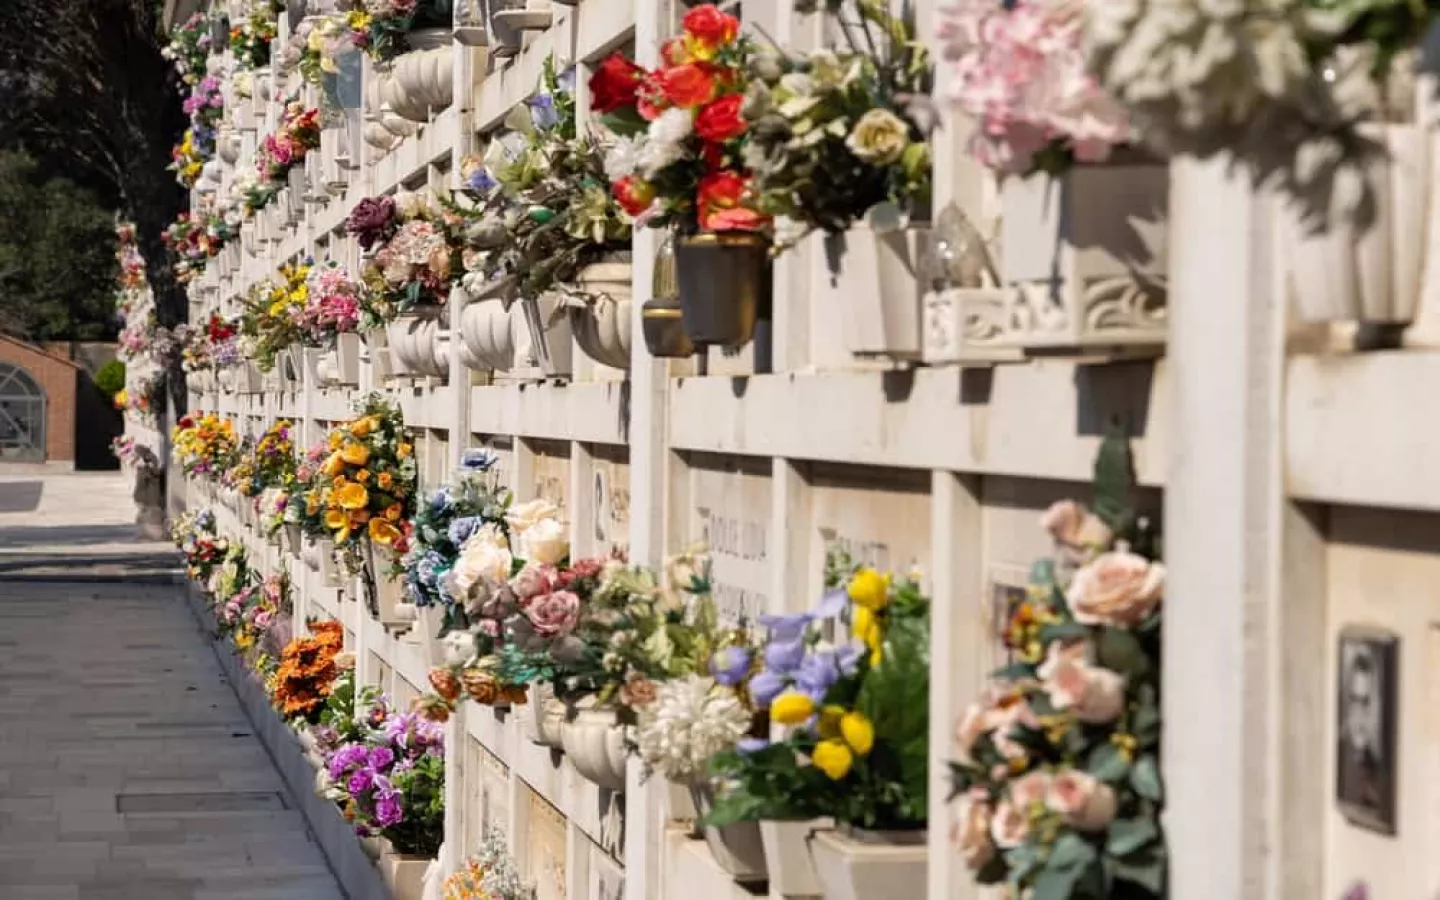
[724, 281]
[660, 318]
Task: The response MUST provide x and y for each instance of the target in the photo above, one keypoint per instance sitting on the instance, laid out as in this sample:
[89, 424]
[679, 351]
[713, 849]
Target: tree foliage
[57, 264]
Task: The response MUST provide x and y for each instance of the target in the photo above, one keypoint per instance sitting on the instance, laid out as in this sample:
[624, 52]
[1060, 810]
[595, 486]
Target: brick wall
[58, 379]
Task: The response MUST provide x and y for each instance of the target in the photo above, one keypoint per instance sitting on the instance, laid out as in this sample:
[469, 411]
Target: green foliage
[57, 262]
[110, 379]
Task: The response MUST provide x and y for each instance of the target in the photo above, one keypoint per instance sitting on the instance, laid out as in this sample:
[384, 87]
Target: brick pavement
[128, 770]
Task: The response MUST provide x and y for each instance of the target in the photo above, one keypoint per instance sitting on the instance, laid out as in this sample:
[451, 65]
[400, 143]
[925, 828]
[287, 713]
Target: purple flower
[817, 673]
[388, 811]
[381, 758]
[765, 687]
[479, 459]
[360, 782]
[371, 220]
[730, 666]
[347, 757]
[848, 658]
[785, 656]
[832, 604]
[750, 745]
[543, 113]
[786, 628]
[461, 529]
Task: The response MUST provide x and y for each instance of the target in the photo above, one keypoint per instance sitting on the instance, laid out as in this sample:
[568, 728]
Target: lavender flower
[730, 666]
[765, 687]
[785, 656]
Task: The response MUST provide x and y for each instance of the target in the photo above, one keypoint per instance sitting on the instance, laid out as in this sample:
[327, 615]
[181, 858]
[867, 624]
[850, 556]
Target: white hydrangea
[691, 720]
[665, 141]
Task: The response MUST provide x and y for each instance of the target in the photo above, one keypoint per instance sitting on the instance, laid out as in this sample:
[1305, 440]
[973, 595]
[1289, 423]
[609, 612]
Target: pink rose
[970, 831]
[1082, 800]
[1016, 715]
[1093, 694]
[1077, 530]
[555, 614]
[1119, 589]
[1009, 826]
[1029, 790]
[534, 580]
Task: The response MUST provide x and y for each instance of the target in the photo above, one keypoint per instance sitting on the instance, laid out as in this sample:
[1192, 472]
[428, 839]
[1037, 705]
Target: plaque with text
[545, 849]
[879, 517]
[611, 485]
[551, 472]
[729, 509]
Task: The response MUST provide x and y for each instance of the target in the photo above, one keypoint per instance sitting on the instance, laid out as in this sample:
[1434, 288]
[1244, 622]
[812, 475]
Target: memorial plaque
[551, 474]
[607, 878]
[487, 793]
[611, 485]
[544, 864]
[728, 510]
[880, 517]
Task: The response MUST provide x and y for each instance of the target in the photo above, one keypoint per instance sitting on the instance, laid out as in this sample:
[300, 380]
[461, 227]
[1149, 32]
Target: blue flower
[441, 502]
[730, 666]
[786, 628]
[461, 529]
[543, 112]
[750, 745]
[480, 459]
[480, 181]
[817, 673]
[848, 658]
[785, 656]
[765, 687]
[566, 82]
[834, 602]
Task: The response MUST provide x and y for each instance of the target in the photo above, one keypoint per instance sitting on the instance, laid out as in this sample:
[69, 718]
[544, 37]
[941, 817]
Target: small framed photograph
[1008, 589]
[1366, 712]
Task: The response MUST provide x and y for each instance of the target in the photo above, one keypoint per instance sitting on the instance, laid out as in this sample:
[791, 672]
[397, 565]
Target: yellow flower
[342, 534]
[830, 717]
[312, 503]
[403, 450]
[833, 758]
[354, 453]
[352, 496]
[336, 518]
[333, 465]
[383, 481]
[858, 732]
[863, 624]
[335, 440]
[393, 512]
[383, 533]
[362, 476]
[792, 708]
[870, 589]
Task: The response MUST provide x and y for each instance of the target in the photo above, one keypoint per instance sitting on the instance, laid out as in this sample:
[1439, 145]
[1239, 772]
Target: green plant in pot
[679, 163]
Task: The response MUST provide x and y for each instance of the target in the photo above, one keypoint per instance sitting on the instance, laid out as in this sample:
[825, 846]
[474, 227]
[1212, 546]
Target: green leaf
[1022, 861]
[1129, 835]
[1056, 884]
[1146, 868]
[1145, 779]
[1107, 763]
[1145, 724]
[1115, 481]
[1071, 851]
[1062, 631]
[1119, 650]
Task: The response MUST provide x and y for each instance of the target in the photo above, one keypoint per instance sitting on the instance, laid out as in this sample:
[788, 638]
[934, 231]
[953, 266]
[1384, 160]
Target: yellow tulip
[870, 589]
[352, 496]
[858, 732]
[792, 708]
[336, 518]
[354, 453]
[833, 758]
[383, 533]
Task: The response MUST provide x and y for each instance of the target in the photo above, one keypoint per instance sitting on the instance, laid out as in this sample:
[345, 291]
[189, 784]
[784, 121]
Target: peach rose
[971, 830]
[1093, 694]
[1009, 826]
[1118, 589]
[1073, 525]
[973, 723]
[1029, 789]
[1016, 714]
[1082, 800]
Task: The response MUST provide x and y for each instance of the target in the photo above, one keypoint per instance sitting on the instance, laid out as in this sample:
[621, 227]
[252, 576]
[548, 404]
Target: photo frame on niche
[1005, 589]
[1366, 720]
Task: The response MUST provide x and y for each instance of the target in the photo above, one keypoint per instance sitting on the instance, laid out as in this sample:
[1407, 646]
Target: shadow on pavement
[20, 536]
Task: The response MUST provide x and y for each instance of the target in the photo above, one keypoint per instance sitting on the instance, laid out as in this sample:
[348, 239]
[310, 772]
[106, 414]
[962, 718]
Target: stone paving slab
[111, 691]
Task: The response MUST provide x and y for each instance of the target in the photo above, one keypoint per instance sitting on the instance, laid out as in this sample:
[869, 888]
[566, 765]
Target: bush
[111, 377]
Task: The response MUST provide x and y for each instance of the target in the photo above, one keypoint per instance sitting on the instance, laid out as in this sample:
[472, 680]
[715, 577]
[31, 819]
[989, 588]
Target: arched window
[22, 415]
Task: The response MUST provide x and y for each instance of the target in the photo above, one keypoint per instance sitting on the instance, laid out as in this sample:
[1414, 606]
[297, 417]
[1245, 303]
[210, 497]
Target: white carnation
[691, 720]
[665, 143]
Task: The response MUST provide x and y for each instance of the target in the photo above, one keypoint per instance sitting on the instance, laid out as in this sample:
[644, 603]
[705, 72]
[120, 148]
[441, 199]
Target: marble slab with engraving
[880, 517]
[487, 793]
[550, 474]
[725, 503]
[544, 853]
[607, 878]
[611, 486]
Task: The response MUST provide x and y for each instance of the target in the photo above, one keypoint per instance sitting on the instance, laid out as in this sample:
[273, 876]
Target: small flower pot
[544, 722]
[373, 847]
[329, 566]
[600, 320]
[414, 339]
[294, 538]
[737, 848]
[680, 807]
[875, 277]
[549, 332]
[424, 76]
[404, 875]
[594, 742]
[664, 328]
[861, 865]
[390, 599]
[788, 860]
[724, 282]
[1374, 274]
[487, 335]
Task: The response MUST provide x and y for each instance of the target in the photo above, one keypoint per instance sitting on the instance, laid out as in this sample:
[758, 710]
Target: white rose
[545, 542]
[483, 556]
[459, 648]
[1029, 789]
[622, 157]
[665, 141]
[1076, 528]
[1082, 800]
[1119, 589]
[879, 137]
[524, 515]
[1095, 695]
[1010, 826]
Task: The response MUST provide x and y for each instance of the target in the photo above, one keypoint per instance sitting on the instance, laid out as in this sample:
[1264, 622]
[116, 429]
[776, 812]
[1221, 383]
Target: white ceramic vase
[404, 875]
[788, 860]
[487, 335]
[862, 866]
[594, 741]
[737, 848]
[873, 279]
[548, 328]
[390, 599]
[329, 566]
[545, 722]
[601, 325]
[415, 342]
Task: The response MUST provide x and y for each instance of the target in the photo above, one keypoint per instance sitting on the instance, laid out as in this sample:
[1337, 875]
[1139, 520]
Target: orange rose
[688, 86]
[721, 199]
[383, 533]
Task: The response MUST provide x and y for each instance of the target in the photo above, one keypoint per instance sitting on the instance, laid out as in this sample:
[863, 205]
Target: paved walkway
[128, 770]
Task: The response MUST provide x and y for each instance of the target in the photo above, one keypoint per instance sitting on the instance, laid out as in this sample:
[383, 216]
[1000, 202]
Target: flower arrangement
[1019, 70]
[445, 522]
[410, 260]
[350, 711]
[306, 675]
[247, 616]
[202, 546]
[379, 26]
[692, 720]
[205, 106]
[273, 312]
[282, 150]
[250, 40]
[275, 455]
[365, 488]
[188, 158]
[134, 457]
[857, 713]
[540, 207]
[488, 875]
[834, 136]
[332, 304]
[203, 443]
[194, 238]
[391, 783]
[1057, 771]
[680, 157]
[188, 48]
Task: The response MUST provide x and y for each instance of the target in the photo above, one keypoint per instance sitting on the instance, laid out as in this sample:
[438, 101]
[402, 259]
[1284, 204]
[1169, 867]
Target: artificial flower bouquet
[273, 312]
[1057, 772]
[284, 149]
[379, 26]
[188, 158]
[391, 782]
[250, 39]
[489, 874]
[350, 712]
[1019, 70]
[189, 47]
[365, 487]
[204, 443]
[248, 616]
[679, 159]
[857, 713]
[203, 547]
[205, 106]
[837, 136]
[274, 462]
[444, 524]
[332, 304]
[301, 684]
[410, 254]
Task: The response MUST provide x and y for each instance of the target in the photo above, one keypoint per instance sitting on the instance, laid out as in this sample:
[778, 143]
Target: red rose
[688, 86]
[633, 195]
[674, 53]
[710, 26]
[721, 121]
[614, 84]
[721, 199]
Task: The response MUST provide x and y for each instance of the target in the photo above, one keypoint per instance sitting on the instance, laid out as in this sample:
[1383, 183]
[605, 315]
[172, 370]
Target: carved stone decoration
[1084, 258]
